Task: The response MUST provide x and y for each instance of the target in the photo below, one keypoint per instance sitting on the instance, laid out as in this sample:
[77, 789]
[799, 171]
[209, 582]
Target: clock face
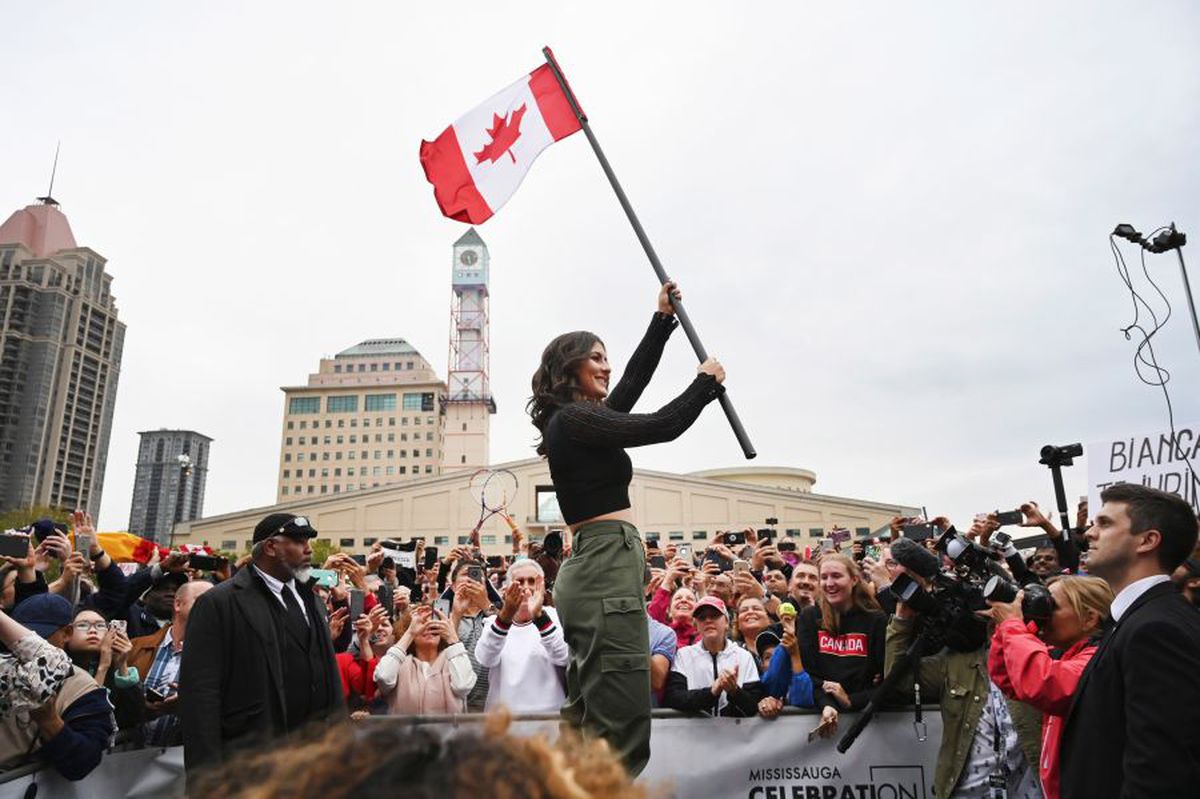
[468, 258]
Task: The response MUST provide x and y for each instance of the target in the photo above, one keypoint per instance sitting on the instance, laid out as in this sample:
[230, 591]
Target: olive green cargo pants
[600, 599]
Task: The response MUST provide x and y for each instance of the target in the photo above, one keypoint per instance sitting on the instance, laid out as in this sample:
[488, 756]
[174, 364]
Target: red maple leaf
[504, 133]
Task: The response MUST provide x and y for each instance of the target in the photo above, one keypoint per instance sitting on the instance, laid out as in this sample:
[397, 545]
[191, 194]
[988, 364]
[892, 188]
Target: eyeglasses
[85, 626]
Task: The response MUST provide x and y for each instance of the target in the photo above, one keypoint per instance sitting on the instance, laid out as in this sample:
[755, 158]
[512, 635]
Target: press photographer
[988, 741]
[1032, 628]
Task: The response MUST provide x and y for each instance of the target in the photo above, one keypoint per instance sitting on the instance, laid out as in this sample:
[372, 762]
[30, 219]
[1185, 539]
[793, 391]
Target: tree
[322, 548]
[23, 517]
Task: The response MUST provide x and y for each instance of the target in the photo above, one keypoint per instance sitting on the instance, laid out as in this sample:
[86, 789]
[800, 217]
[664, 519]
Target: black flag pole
[680, 312]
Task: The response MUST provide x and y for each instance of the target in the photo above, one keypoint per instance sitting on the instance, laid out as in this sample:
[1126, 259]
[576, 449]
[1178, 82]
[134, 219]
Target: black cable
[1146, 347]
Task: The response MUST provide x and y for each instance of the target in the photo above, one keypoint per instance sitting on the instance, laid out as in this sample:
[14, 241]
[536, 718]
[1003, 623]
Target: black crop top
[585, 441]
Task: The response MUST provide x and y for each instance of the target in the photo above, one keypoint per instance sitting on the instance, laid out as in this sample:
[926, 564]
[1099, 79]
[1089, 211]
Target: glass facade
[381, 402]
[304, 405]
[345, 404]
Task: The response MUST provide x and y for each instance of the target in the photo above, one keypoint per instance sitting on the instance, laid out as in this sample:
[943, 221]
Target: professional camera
[1037, 605]
[947, 610]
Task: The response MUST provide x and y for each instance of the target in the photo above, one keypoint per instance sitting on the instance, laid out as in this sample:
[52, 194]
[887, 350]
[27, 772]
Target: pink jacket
[1020, 665]
[686, 633]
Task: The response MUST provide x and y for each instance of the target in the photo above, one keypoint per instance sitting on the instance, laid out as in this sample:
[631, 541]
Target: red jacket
[358, 676]
[686, 633]
[1020, 665]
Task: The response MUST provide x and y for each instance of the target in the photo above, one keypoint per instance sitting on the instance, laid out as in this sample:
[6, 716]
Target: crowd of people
[1072, 670]
[221, 661]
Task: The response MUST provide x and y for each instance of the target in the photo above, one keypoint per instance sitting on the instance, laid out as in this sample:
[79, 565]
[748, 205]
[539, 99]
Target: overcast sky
[890, 220]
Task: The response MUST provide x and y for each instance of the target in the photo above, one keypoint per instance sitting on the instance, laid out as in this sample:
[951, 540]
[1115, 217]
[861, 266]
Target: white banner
[1148, 460]
[692, 758]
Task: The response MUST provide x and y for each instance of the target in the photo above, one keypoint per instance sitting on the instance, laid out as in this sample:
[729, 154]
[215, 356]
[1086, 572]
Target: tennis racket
[493, 489]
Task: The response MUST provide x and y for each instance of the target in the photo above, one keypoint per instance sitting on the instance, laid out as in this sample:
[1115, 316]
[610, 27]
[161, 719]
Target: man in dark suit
[1134, 728]
[259, 662]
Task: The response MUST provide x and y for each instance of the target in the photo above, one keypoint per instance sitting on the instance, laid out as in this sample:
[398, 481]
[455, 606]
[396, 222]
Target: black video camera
[947, 610]
[1060, 456]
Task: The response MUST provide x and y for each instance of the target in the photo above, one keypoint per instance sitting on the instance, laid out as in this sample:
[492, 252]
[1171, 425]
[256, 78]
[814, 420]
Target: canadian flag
[479, 161]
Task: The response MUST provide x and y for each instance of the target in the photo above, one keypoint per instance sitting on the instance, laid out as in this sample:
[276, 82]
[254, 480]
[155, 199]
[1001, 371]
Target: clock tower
[468, 403]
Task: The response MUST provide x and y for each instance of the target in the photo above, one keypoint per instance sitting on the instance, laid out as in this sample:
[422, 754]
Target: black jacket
[231, 689]
[1134, 727]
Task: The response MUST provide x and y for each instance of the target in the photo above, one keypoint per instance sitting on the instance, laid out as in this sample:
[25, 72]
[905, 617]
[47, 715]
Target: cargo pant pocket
[625, 625]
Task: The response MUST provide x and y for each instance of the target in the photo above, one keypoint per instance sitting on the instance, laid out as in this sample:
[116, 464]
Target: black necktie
[293, 608]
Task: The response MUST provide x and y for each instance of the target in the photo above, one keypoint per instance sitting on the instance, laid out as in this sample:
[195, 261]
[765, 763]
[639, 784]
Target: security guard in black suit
[258, 662]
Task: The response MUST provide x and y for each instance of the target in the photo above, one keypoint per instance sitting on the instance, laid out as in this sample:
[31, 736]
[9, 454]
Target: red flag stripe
[453, 187]
[554, 105]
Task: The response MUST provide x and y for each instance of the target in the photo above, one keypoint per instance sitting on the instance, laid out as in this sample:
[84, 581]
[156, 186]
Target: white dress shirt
[1131, 592]
[277, 587]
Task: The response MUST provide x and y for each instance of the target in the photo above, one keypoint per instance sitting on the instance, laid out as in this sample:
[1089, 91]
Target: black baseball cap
[289, 524]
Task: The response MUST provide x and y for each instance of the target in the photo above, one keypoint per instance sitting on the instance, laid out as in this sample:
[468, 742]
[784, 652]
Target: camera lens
[1038, 603]
[998, 589]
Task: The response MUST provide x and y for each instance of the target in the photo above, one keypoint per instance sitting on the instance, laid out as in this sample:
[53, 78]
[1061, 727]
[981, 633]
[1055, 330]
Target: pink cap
[709, 602]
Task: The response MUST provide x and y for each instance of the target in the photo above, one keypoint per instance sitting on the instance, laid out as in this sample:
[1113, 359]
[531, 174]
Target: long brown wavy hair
[556, 381]
[380, 758]
[861, 597]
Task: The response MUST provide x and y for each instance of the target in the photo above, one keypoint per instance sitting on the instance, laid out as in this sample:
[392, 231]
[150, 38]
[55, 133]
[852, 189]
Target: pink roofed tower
[60, 359]
[42, 228]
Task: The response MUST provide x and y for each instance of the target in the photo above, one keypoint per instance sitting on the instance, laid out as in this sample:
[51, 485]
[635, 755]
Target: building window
[391, 470]
[675, 535]
[337, 367]
[341, 422]
[428, 453]
[412, 402]
[699, 535]
[311, 489]
[816, 532]
[337, 456]
[287, 473]
[343, 404]
[391, 437]
[229, 546]
[287, 457]
[288, 441]
[285, 491]
[340, 439]
[345, 542]
[385, 366]
[337, 472]
[441, 540]
[374, 367]
[862, 532]
[368, 542]
[489, 540]
[464, 539]
[374, 471]
[291, 425]
[324, 489]
[378, 453]
[380, 402]
[403, 469]
[428, 470]
[304, 405]
[312, 472]
[327, 440]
